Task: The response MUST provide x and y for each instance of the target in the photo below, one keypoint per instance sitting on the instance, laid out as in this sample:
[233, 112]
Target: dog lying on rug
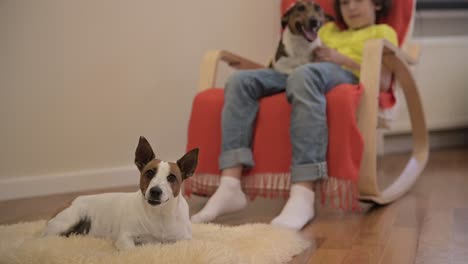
[299, 39]
[156, 213]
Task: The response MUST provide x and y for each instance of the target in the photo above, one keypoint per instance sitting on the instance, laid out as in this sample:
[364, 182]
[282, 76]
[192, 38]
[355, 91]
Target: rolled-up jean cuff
[235, 157]
[309, 172]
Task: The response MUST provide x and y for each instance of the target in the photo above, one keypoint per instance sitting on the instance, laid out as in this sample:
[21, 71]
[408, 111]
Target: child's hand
[323, 54]
[328, 54]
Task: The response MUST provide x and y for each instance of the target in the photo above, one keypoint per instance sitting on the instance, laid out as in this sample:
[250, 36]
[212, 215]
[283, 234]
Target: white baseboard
[403, 143]
[26, 187]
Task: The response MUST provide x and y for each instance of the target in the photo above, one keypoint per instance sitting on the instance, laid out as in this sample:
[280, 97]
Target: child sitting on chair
[336, 63]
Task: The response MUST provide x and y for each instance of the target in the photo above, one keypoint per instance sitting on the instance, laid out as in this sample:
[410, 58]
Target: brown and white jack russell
[156, 213]
[299, 39]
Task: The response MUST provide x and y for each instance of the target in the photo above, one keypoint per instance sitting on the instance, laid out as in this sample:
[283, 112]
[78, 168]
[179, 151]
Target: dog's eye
[318, 8]
[149, 174]
[171, 178]
[301, 8]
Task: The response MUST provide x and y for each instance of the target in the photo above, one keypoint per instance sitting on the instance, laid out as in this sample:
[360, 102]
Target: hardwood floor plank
[435, 239]
[412, 211]
[459, 243]
[339, 231]
[401, 247]
[377, 225]
[328, 256]
[364, 254]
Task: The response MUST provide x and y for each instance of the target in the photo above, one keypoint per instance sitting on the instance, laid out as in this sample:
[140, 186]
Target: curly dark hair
[384, 4]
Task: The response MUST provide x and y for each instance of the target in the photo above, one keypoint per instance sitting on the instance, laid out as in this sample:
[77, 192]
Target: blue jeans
[305, 88]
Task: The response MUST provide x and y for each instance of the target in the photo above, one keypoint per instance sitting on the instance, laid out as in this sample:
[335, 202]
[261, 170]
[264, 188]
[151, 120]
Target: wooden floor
[428, 225]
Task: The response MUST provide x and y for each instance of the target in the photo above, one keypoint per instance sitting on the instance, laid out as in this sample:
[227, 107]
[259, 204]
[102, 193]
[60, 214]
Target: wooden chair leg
[368, 186]
[367, 116]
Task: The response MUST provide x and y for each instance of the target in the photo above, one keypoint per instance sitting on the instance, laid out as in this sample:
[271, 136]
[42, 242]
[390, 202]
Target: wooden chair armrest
[409, 54]
[209, 66]
[413, 50]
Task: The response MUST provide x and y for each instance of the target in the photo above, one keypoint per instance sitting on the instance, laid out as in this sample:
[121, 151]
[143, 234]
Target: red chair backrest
[399, 17]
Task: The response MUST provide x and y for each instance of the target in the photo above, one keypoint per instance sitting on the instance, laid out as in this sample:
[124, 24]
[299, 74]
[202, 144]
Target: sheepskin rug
[211, 243]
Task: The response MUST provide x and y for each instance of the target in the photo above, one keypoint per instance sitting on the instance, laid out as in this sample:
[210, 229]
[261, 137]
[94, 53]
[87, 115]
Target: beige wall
[81, 80]
[441, 71]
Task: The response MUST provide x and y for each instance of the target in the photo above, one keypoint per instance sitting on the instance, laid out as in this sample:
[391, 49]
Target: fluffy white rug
[253, 243]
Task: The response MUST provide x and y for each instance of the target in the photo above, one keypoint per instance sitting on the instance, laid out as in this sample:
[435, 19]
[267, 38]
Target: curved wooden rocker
[376, 53]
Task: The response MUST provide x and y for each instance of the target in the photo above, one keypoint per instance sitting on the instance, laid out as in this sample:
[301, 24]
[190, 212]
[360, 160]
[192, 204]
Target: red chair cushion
[271, 145]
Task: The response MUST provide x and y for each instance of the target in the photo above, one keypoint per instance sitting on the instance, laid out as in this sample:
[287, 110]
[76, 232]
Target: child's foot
[298, 210]
[227, 198]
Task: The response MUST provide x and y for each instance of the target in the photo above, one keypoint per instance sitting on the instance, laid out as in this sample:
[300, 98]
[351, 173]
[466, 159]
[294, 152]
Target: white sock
[298, 210]
[227, 198]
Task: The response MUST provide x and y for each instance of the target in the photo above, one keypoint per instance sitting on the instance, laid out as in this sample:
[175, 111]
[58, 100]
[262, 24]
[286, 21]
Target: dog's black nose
[155, 192]
[313, 23]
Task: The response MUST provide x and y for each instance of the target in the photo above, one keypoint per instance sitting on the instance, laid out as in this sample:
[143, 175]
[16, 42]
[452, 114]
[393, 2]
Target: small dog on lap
[299, 39]
[156, 213]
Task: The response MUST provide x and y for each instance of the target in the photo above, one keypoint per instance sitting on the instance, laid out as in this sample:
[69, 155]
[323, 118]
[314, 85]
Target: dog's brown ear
[285, 18]
[188, 163]
[143, 154]
[329, 18]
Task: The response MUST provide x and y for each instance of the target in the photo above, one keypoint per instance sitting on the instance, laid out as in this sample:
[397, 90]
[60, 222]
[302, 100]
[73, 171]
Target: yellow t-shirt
[351, 42]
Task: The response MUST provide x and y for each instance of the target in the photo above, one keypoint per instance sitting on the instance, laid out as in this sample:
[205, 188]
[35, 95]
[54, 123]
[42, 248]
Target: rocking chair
[360, 156]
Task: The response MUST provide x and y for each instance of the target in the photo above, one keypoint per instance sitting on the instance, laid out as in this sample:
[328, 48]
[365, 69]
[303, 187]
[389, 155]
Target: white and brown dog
[300, 36]
[156, 213]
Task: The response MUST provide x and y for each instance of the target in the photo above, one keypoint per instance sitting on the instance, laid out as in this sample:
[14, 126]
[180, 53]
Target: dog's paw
[124, 243]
